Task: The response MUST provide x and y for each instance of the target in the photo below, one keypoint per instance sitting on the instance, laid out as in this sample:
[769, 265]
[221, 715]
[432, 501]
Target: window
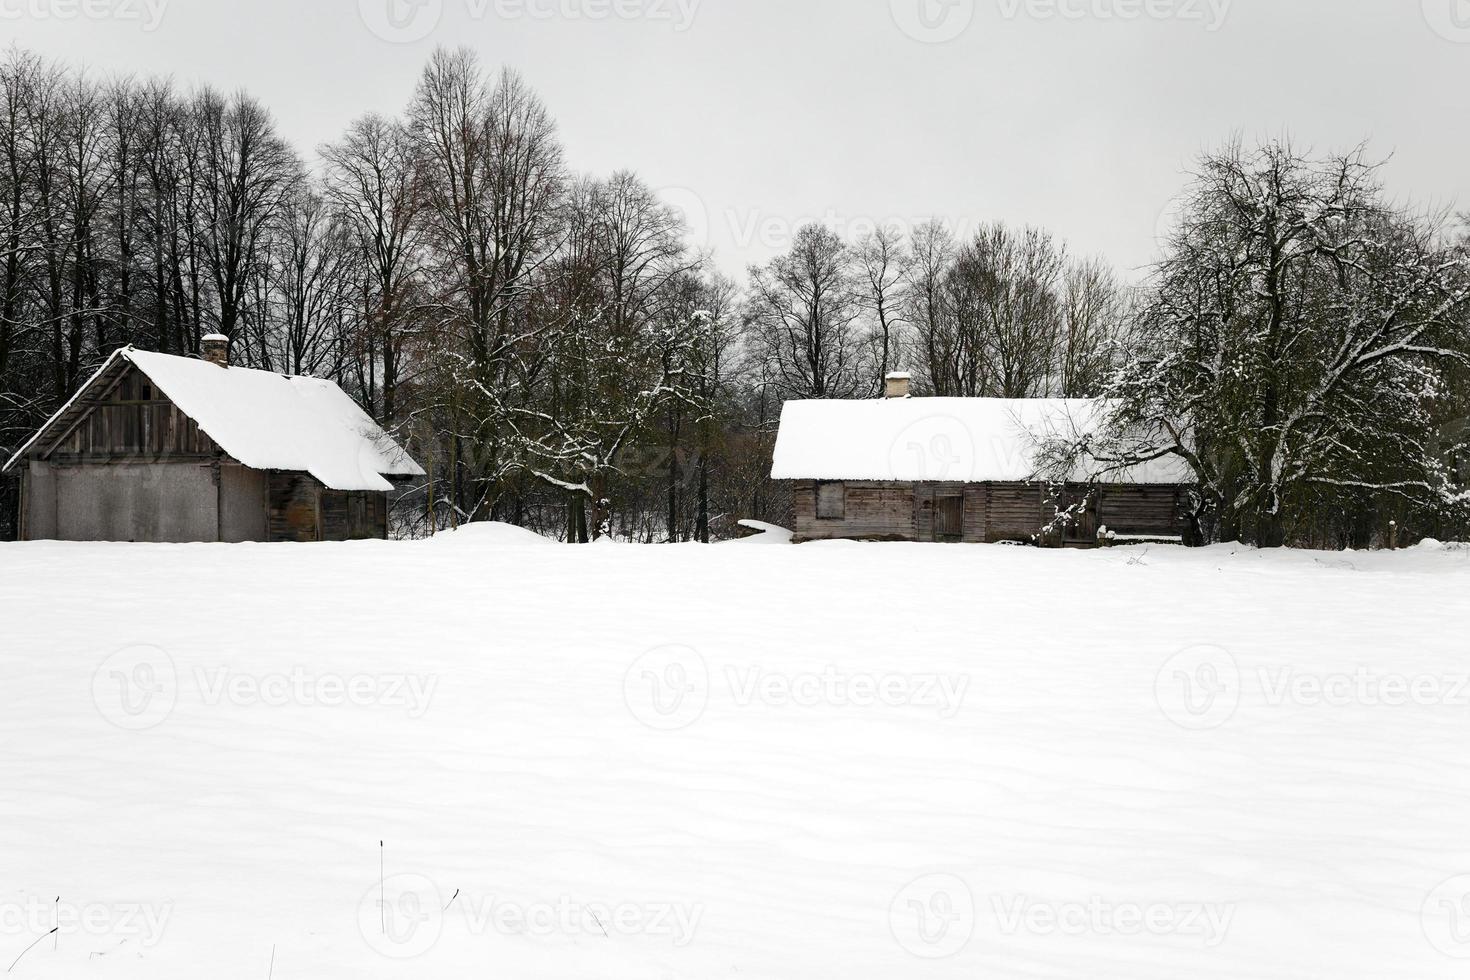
[831, 501]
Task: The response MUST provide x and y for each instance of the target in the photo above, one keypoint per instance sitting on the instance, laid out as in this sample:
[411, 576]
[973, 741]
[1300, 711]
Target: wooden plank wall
[353, 516]
[994, 512]
[134, 419]
[301, 509]
[293, 507]
[1142, 510]
[1014, 512]
[874, 511]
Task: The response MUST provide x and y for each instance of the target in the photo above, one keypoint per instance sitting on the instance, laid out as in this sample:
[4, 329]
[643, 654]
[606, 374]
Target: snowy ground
[752, 760]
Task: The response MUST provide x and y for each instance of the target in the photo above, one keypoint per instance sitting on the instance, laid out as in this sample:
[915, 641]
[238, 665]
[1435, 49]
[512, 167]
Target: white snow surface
[960, 440]
[272, 421]
[766, 534]
[604, 730]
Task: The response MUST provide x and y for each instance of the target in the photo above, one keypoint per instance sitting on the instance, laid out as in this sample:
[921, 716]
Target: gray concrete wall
[40, 502]
[162, 502]
[244, 503]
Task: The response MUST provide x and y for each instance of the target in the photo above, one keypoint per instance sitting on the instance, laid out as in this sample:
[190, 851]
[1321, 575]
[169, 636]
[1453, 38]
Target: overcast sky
[1082, 116]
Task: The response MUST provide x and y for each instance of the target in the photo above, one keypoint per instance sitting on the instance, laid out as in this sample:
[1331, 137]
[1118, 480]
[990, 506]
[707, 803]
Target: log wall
[294, 507]
[992, 512]
[873, 511]
[301, 509]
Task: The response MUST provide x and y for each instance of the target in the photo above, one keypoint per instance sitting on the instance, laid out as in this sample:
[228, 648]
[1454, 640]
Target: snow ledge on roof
[945, 440]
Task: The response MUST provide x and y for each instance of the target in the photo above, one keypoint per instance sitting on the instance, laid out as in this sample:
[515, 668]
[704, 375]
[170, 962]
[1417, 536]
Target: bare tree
[614, 297]
[371, 184]
[492, 180]
[803, 309]
[1093, 315]
[310, 280]
[882, 260]
[931, 254]
[247, 173]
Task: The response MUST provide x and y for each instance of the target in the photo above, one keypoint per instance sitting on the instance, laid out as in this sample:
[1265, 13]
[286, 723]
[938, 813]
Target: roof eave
[20, 453]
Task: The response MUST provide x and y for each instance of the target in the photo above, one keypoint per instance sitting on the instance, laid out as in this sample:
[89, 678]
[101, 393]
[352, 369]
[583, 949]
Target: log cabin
[160, 448]
[966, 470]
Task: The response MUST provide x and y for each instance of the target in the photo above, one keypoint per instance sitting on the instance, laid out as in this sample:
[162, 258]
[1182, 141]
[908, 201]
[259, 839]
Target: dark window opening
[831, 501]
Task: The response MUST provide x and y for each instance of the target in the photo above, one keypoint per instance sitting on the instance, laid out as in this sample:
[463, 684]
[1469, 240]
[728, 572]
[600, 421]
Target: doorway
[949, 518]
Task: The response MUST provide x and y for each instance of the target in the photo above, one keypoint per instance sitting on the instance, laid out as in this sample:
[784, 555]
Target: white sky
[757, 114]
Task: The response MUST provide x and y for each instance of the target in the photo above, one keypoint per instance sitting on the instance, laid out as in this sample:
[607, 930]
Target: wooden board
[987, 512]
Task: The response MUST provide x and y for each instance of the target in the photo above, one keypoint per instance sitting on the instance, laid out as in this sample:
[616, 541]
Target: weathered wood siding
[132, 419]
[991, 512]
[294, 507]
[125, 464]
[1014, 512]
[1137, 510]
[873, 511]
[301, 509]
[353, 516]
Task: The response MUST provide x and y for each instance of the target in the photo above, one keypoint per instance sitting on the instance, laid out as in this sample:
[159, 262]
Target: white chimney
[215, 349]
[898, 384]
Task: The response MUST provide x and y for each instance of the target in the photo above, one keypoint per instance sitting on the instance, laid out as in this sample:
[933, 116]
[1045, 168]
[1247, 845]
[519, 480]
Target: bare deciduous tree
[803, 311]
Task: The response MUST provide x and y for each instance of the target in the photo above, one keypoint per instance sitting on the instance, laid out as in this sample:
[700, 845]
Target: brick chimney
[216, 349]
[898, 385]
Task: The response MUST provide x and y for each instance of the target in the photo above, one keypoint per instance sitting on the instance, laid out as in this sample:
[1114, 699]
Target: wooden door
[949, 518]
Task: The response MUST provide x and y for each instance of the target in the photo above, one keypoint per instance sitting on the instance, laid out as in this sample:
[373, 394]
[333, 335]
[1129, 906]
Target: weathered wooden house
[965, 470]
[171, 449]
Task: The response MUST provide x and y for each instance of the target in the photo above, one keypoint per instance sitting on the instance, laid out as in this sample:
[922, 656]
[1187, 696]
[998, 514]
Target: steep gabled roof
[266, 421]
[949, 440]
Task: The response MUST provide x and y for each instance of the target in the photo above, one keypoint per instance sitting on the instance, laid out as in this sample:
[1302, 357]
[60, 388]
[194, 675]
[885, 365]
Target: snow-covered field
[747, 761]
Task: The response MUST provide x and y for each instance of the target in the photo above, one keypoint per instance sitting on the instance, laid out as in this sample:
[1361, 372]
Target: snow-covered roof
[271, 421]
[950, 440]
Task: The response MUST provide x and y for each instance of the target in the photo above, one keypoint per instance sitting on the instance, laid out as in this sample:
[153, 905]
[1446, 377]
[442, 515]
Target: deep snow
[821, 761]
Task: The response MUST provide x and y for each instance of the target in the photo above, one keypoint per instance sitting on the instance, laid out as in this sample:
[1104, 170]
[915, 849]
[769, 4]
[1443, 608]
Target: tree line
[547, 342]
[556, 353]
[1304, 349]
